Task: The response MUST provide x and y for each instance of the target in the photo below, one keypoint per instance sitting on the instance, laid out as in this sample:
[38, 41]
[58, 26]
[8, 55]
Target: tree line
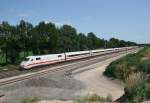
[47, 38]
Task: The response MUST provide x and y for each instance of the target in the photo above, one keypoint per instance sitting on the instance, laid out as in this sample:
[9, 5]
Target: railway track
[67, 68]
[16, 72]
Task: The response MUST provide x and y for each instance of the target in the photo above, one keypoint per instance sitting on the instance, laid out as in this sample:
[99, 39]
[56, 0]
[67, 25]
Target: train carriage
[77, 55]
[33, 61]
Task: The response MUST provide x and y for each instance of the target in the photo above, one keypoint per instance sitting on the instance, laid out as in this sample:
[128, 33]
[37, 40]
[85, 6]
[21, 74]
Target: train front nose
[22, 65]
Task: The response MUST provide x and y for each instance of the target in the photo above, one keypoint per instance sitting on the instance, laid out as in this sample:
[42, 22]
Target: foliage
[134, 70]
[147, 91]
[46, 38]
[131, 63]
[135, 87]
[93, 99]
[29, 100]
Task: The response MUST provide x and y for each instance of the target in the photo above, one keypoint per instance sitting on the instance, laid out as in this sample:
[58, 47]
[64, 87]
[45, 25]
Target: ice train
[34, 61]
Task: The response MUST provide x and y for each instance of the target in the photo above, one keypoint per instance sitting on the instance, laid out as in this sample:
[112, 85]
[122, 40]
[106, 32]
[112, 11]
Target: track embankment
[47, 85]
[97, 83]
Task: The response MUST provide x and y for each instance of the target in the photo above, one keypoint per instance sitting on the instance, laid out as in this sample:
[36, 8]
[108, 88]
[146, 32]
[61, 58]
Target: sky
[122, 19]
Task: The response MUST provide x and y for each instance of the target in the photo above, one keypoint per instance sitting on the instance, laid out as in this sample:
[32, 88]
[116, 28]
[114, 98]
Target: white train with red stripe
[33, 61]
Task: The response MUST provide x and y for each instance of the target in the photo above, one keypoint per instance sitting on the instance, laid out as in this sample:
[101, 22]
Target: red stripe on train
[54, 61]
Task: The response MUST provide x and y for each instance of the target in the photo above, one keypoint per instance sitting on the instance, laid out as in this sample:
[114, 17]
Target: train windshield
[26, 59]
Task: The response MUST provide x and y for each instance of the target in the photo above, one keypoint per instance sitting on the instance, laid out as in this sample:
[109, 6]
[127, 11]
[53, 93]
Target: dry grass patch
[135, 87]
[94, 98]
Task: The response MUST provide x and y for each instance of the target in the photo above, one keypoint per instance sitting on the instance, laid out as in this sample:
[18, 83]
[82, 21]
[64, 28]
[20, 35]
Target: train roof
[43, 55]
[78, 52]
[98, 50]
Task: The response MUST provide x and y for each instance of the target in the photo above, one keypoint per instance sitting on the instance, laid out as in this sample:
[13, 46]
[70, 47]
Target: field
[134, 70]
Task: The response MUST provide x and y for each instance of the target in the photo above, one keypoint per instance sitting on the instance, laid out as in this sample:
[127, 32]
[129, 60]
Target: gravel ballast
[58, 86]
[61, 86]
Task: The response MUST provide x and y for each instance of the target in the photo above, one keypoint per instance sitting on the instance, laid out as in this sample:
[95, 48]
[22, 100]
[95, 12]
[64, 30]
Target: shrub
[128, 69]
[109, 71]
[135, 87]
[147, 92]
[93, 99]
[29, 100]
[145, 52]
[145, 66]
[121, 68]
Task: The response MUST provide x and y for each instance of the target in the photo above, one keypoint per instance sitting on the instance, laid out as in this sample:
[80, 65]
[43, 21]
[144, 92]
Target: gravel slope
[57, 87]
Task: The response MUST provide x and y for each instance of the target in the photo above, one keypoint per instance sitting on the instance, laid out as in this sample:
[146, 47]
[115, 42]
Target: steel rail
[22, 77]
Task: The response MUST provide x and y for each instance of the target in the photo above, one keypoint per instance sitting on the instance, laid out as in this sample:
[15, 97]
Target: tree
[83, 44]
[46, 38]
[10, 45]
[92, 41]
[23, 31]
[113, 42]
[68, 38]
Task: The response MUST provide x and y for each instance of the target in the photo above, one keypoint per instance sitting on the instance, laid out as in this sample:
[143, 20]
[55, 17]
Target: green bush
[127, 69]
[131, 63]
[135, 87]
[147, 92]
[29, 100]
[121, 68]
[2, 60]
[93, 99]
[145, 66]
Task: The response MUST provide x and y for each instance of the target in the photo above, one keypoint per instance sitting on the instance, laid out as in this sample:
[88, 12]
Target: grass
[147, 91]
[134, 70]
[145, 52]
[94, 98]
[135, 87]
[29, 100]
[131, 63]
